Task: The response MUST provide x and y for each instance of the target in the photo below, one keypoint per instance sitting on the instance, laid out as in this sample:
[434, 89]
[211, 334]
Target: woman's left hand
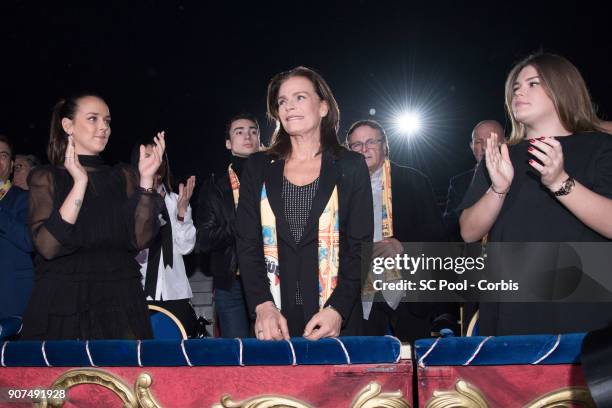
[548, 151]
[326, 323]
[148, 165]
[185, 193]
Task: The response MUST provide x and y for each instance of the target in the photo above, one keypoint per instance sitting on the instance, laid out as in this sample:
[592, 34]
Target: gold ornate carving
[468, 396]
[262, 401]
[464, 396]
[140, 397]
[564, 398]
[371, 396]
[142, 389]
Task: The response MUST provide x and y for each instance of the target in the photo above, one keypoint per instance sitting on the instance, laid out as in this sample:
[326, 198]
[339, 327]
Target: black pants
[411, 321]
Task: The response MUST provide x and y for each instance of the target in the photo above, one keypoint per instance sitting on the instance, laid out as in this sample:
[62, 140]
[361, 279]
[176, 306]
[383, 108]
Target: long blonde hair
[564, 85]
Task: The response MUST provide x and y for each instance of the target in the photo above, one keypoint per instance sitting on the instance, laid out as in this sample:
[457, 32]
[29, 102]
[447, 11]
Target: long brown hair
[280, 144]
[564, 85]
[58, 138]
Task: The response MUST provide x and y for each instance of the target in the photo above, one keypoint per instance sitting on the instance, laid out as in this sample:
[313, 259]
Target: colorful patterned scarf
[4, 188]
[391, 274]
[387, 206]
[235, 183]
[328, 247]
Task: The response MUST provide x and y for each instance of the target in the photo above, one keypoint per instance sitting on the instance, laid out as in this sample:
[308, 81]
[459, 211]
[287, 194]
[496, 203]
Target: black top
[299, 261]
[530, 213]
[87, 282]
[298, 202]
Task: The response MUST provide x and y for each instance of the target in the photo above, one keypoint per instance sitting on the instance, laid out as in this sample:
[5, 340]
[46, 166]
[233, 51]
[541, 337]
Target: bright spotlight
[409, 122]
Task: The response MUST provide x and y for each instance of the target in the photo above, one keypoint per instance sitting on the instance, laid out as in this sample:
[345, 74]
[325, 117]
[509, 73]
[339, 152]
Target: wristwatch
[566, 187]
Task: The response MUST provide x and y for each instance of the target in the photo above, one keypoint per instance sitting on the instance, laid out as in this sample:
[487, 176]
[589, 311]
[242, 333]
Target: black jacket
[216, 235]
[349, 172]
[457, 188]
[416, 216]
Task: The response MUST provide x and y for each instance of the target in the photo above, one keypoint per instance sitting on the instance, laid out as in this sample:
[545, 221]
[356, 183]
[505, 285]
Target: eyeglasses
[370, 143]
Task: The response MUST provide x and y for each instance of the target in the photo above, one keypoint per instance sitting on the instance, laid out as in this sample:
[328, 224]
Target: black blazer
[349, 172]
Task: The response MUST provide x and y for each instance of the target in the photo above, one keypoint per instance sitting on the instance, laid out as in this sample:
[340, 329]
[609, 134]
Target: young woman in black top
[552, 182]
[88, 221]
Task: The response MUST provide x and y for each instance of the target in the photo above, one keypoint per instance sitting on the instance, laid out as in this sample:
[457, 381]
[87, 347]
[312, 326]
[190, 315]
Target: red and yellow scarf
[328, 247]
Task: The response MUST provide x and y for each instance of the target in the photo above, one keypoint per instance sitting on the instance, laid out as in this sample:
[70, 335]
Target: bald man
[459, 184]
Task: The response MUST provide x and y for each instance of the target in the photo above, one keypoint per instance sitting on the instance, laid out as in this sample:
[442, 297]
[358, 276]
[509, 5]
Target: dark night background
[186, 67]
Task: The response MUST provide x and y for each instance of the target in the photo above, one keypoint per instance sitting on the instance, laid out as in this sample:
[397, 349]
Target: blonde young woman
[552, 182]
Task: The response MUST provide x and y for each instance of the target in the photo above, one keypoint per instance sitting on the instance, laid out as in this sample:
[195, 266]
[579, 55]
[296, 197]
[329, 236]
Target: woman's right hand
[270, 323]
[498, 164]
[72, 164]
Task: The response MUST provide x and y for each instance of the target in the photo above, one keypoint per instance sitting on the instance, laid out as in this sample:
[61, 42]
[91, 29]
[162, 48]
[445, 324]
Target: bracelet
[497, 192]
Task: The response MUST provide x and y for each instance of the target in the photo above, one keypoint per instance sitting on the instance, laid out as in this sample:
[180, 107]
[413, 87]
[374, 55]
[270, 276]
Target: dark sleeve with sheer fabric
[141, 211]
[52, 236]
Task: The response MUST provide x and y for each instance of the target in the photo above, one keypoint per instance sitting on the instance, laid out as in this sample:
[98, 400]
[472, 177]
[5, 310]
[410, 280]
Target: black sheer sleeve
[141, 211]
[52, 236]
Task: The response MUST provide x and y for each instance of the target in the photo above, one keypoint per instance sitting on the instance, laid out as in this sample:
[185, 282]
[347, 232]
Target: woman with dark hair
[552, 182]
[88, 220]
[164, 276]
[305, 209]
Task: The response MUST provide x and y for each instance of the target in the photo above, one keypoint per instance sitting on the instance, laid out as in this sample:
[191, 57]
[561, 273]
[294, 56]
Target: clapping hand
[148, 165]
[548, 151]
[498, 164]
[72, 164]
[185, 193]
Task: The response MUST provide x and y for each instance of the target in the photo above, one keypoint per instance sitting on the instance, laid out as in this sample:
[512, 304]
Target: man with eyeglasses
[405, 210]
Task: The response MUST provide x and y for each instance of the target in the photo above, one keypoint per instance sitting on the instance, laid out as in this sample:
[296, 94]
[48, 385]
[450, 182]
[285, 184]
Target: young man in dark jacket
[216, 217]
